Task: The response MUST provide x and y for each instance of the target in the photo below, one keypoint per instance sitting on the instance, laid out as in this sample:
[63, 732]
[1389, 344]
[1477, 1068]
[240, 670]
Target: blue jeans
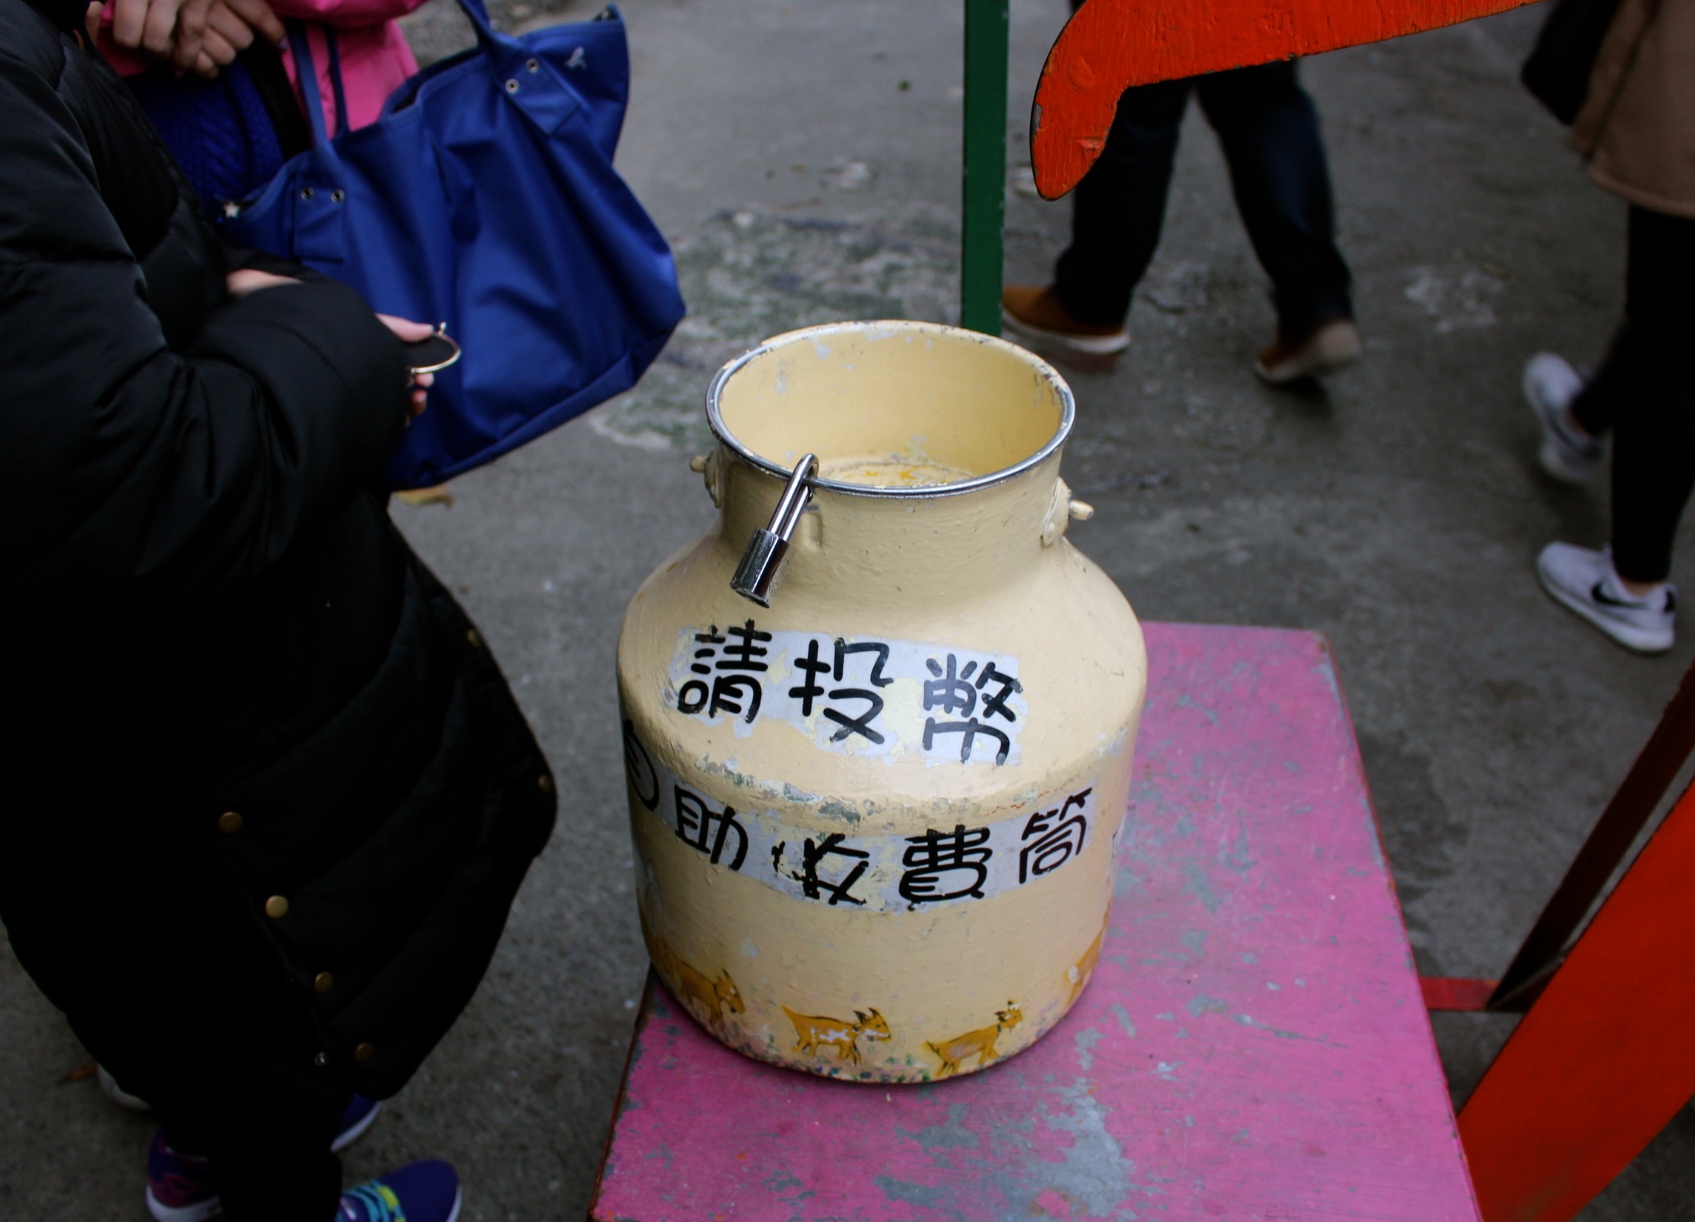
[1268, 128]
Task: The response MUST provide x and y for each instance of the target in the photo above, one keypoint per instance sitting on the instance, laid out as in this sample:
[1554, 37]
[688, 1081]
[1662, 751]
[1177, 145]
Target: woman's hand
[202, 36]
[409, 332]
[251, 280]
[165, 29]
[230, 29]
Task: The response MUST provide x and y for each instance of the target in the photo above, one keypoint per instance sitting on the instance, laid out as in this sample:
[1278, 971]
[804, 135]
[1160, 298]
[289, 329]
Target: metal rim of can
[1043, 370]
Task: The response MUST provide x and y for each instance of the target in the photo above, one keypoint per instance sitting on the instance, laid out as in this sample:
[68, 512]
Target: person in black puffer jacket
[265, 798]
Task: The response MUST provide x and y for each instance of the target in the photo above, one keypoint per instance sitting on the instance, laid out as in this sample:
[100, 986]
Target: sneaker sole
[1551, 458]
[1313, 365]
[183, 1213]
[1551, 455]
[1095, 352]
[1635, 640]
[348, 1136]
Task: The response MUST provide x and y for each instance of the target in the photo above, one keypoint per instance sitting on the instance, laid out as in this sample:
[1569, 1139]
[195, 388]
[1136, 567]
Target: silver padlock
[762, 563]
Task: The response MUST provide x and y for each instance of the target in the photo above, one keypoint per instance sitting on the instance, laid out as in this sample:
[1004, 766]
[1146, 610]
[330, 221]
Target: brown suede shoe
[1326, 349]
[1036, 314]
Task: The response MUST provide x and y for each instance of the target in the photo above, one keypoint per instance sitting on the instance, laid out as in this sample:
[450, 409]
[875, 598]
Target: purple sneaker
[423, 1192]
[179, 1188]
[358, 1117]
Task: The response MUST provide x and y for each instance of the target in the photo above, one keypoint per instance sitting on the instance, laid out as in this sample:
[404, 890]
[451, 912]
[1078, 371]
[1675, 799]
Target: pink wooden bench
[1254, 1044]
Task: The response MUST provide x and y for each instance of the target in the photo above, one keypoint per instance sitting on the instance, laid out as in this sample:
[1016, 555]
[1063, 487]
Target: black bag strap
[264, 64]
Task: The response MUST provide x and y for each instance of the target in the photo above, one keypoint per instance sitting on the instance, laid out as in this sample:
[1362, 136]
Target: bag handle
[545, 97]
[342, 123]
[477, 13]
[306, 73]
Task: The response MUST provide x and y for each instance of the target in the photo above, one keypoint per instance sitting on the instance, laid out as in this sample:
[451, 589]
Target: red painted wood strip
[1604, 1059]
[1638, 796]
[1113, 44]
[1253, 1044]
[1455, 993]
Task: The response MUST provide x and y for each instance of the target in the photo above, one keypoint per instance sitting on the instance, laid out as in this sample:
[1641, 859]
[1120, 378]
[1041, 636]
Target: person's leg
[1268, 128]
[1596, 405]
[1119, 207]
[1654, 403]
[284, 1177]
[283, 1181]
[124, 923]
[1646, 393]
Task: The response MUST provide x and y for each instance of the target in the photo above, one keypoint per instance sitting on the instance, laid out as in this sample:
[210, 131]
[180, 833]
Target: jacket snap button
[532, 65]
[512, 85]
[321, 1060]
[276, 907]
[337, 195]
[229, 822]
[323, 982]
[307, 192]
[363, 1052]
[471, 636]
[544, 783]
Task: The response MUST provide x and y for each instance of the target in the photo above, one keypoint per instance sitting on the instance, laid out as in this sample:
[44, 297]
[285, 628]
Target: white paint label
[853, 694]
[881, 873]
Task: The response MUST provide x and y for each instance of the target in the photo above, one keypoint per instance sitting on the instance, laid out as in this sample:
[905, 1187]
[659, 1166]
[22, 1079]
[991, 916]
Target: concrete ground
[803, 156]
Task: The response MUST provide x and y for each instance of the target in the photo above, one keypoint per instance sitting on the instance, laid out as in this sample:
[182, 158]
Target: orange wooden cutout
[1111, 45]
[1604, 1059]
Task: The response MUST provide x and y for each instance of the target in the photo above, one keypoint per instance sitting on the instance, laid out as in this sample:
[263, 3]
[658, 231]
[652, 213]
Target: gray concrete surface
[804, 158]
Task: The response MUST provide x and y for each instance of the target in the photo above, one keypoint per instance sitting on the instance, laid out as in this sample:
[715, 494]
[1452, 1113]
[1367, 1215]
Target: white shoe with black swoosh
[1551, 385]
[1584, 582]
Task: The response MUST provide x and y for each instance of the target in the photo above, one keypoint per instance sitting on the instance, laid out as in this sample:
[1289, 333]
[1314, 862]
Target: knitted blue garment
[218, 130]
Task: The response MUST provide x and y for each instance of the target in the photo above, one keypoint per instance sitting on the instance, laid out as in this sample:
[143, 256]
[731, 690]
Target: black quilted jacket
[264, 796]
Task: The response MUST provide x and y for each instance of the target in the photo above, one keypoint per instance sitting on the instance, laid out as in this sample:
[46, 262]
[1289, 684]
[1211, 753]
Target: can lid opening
[892, 408]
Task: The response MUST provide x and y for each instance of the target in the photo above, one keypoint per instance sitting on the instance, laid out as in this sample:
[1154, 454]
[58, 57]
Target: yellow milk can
[877, 788]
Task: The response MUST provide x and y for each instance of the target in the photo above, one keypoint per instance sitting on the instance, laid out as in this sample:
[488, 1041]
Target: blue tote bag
[485, 198]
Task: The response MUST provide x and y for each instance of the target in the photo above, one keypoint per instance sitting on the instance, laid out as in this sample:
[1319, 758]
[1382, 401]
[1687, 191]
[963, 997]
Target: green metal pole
[984, 203]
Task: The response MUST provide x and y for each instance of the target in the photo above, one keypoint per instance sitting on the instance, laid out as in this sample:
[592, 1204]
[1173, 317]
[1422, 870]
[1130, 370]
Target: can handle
[762, 563]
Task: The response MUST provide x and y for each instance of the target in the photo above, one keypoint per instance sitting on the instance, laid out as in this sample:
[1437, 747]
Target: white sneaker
[1567, 453]
[1585, 582]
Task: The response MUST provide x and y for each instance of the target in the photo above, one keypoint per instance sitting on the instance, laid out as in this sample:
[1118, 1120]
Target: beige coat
[1637, 126]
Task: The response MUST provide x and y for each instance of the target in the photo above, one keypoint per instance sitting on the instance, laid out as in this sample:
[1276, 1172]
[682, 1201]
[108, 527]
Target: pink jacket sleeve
[345, 14]
[375, 58]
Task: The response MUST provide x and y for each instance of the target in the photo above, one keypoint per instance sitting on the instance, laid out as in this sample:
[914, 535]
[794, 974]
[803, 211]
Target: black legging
[1645, 394]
